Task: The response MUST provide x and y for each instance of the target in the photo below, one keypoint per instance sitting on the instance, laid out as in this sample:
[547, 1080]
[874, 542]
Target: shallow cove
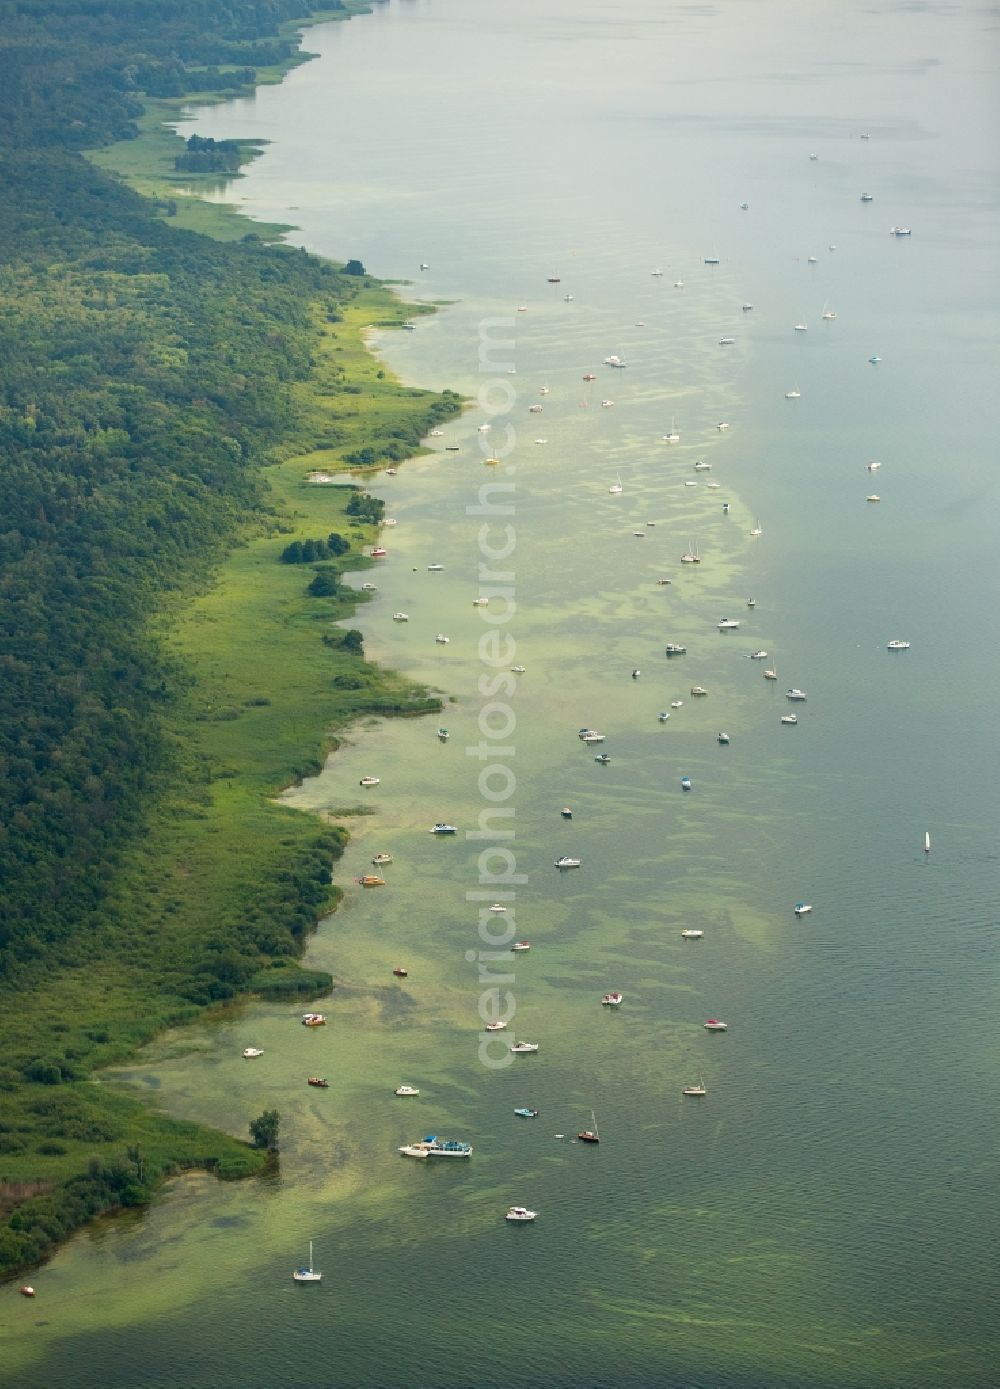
[802, 1224]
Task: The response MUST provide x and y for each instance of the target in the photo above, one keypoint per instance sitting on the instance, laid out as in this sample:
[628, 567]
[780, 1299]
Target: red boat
[379, 552]
[319, 1082]
[714, 1025]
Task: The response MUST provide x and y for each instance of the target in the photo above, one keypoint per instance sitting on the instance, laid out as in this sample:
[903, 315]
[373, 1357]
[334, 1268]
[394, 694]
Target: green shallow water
[824, 1216]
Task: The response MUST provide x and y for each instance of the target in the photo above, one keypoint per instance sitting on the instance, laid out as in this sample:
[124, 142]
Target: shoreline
[280, 723]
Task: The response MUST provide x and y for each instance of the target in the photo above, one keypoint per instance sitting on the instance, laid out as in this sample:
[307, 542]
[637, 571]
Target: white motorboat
[441, 639]
[795, 394]
[250, 1052]
[442, 828]
[899, 231]
[727, 624]
[369, 588]
[802, 327]
[495, 1027]
[523, 1048]
[521, 945]
[432, 1146]
[435, 568]
[802, 908]
[614, 361]
[519, 1215]
[897, 645]
[691, 933]
[590, 735]
[715, 1025]
[796, 695]
[369, 781]
[676, 703]
[674, 648]
[564, 861]
[519, 670]
[405, 1090]
[758, 655]
[702, 467]
[722, 426]
[872, 467]
[498, 908]
[615, 999]
[873, 498]
[789, 718]
[726, 342]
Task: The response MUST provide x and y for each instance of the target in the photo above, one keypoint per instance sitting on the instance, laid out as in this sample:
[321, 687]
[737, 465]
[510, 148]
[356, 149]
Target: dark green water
[825, 1216]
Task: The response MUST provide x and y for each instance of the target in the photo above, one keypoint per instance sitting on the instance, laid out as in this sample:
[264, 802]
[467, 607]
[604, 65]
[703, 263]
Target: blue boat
[685, 783]
[526, 1113]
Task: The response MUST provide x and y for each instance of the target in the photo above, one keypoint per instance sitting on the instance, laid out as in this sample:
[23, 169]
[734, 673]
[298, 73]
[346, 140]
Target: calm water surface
[826, 1215]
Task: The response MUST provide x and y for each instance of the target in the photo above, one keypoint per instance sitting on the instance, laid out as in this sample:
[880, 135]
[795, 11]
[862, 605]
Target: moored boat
[613, 999]
[250, 1052]
[590, 1135]
[796, 695]
[313, 1019]
[369, 781]
[432, 1146]
[371, 880]
[519, 1215]
[442, 828]
[307, 1274]
[320, 1082]
[564, 861]
[406, 1090]
[520, 945]
[526, 1112]
[692, 933]
[715, 1025]
[802, 908]
[696, 1090]
[401, 972]
[523, 1048]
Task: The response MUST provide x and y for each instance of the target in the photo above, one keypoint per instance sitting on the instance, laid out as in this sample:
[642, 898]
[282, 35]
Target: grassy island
[166, 395]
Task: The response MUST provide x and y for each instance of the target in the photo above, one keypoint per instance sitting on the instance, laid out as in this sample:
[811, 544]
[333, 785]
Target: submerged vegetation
[160, 392]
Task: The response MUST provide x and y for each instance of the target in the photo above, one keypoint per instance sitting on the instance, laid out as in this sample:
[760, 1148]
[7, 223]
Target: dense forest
[149, 378]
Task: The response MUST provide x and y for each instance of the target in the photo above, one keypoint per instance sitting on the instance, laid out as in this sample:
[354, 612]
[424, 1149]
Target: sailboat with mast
[307, 1274]
[590, 1135]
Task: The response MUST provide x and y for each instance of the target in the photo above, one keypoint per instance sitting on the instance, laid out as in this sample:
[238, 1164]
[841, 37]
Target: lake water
[825, 1216]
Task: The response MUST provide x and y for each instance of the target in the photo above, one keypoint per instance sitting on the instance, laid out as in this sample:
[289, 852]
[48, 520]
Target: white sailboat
[927, 841]
[307, 1274]
[616, 487]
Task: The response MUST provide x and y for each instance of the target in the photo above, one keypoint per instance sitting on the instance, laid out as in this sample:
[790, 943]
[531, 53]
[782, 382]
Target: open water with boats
[825, 1215]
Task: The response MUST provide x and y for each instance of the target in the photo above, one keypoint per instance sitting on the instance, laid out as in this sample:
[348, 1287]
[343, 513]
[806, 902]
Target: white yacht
[616, 487]
[796, 695]
[441, 639]
[590, 735]
[250, 1052]
[519, 1215]
[307, 1274]
[789, 718]
[523, 1048]
[401, 617]
[564, 861]
[897, 645]
[795, 394]
[691, 933]
[405, 1090]
[728, 624]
